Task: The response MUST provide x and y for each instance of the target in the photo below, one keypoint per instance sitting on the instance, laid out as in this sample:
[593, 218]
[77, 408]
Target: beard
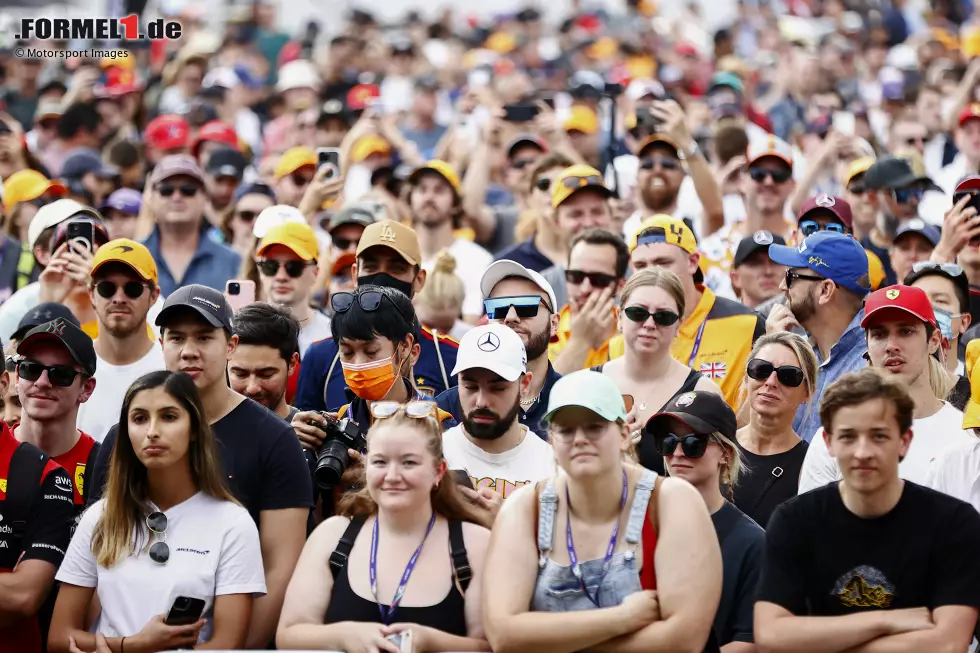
[537, 343]
[804, 309]
[491, 430]
[659, 200]
[268, 399]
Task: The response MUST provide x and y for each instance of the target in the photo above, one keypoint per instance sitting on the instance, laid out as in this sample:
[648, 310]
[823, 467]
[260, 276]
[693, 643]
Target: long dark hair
[126, 500]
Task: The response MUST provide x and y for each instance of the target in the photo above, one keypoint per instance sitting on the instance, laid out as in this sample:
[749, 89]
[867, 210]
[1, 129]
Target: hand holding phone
[402, 640]
[520, 112]
[462, 478]
[80, 234]
[185, 611]
[329, 157]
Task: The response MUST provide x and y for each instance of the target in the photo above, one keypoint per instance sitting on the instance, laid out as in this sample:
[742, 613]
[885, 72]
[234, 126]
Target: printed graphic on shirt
[3, 485]
[63, 483]
[864, 587]
[424, 387]
[714, 369]
[501, 486]
[80, 478]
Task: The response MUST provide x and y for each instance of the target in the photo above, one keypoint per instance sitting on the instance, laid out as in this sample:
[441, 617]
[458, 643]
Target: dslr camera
[332, 457]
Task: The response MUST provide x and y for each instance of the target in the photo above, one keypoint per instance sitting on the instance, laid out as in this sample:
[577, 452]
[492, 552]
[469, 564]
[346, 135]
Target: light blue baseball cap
[590, 390]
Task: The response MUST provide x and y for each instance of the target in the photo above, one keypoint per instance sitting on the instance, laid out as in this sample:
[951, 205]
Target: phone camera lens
[234, 289]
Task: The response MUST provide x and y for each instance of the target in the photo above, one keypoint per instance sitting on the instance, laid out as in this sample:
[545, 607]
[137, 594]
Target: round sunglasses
[788, 375]
[157, 523]
[661, 317]
[293, 268]
[132, 289]
[693, 445]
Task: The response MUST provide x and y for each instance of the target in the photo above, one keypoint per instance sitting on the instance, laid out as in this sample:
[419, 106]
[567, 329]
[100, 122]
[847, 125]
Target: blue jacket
[213, 264]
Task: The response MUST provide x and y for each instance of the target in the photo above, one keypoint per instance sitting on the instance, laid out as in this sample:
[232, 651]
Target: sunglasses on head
[788, 375]
[132, 289]
[188, 190]
[415, 409]
[779, 176]
[949, 269]
[369, 301]
[293, 268]
[157, 523]
[61, 376]
[597, 279]
[580, 182]
[661, 317]
[693, 445]
[525, 306]
[810, 227]
[543, 184]
[666, 162]
[907, 195]
[246, 216]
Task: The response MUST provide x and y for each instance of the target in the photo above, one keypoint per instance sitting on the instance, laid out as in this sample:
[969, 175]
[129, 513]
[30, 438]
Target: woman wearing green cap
[631, 554]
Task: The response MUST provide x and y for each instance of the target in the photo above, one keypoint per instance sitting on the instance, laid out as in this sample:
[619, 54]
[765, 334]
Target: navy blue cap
[918, 226]
[41, 314]
[254, 188]
[832, 255]
[83, 161]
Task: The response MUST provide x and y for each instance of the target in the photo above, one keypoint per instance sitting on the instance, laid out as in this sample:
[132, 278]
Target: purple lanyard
[697, 344]
[576, 568]
[388, 615]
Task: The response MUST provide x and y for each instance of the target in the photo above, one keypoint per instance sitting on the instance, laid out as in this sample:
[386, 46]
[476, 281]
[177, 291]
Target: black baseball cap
[892, 172]
[69, 335]
[227, 162]
[705, 412]
[206, 302]
[759, 241]
[40, 314]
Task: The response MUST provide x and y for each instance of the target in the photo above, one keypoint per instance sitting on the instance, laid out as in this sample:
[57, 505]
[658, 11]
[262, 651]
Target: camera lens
[331, 461]
[234, 288]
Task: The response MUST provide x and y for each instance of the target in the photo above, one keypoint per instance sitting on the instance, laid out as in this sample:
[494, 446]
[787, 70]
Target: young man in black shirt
[264, 465]
[266, 356]
[871, 562]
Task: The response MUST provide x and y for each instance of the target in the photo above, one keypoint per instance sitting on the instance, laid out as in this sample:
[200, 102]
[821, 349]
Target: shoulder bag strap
[457, 549]
[26, 466]
[442, 365]
[338, 559]
[326, 383]
[776, 474]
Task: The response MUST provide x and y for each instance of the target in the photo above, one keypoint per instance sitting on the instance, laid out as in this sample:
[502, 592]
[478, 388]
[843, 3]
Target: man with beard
[122, 290]
[491, 445]
[824, 287]
[266, 356]
[522, 300]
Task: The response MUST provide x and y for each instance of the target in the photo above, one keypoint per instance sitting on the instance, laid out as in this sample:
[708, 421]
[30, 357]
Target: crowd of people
[276, 310]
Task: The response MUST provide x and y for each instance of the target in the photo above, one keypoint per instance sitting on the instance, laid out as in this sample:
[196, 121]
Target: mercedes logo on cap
[825, 201]
[489, 342]
[762, 238]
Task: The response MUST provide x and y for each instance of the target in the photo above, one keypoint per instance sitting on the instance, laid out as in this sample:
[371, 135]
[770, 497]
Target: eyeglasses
[293, 268]
[300, 179]
[132, 289]
[188, 190]
[661, 317]
[597, 279]
[949, 269]
[791, 276]
[543, 184]
[498, 307]
[157, 523]
[810, 227]
[581, 182]
[779, 176]
[693, 445]
[666, 162]
[246, 216]
[60, 376]
[343, 243]
[415, 409]
[788, 375]
[907, 195]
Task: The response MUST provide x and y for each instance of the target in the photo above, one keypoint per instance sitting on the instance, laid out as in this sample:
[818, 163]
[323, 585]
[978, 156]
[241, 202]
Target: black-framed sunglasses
[187, 190]
[666, 162]
[693, 445]
[293, 268]
[779, 176]
[792, 275]
[132, 289]
[661, 317]
[857, 188]
[343, 243]
[525, 306]
[520, 164]
[300, 179]
[10, 364]
[60, 376]
[949, 269]
[543, 184]
[788, 375]
[597, 279]
[369, 301]
[157, 523]
[247, 216]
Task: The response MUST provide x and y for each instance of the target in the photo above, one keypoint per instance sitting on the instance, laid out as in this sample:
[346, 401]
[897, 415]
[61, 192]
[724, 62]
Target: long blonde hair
[127, 492]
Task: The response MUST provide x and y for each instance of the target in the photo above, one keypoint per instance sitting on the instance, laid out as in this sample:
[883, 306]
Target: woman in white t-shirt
[167, 529]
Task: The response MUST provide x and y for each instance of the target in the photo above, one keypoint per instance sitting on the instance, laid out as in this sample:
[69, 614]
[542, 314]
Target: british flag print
[713, 370]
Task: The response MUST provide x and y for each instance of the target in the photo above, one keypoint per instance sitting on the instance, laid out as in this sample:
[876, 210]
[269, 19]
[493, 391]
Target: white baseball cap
[493, 347]
[275, 215]
[500, 270]
[55, 213]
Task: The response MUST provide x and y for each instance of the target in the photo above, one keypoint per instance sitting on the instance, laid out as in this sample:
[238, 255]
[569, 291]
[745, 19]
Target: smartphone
[463, 479]
[402, 640]
[520, 112]
[239, 293]
[184, 611]
[843, 122]
[330, 157]
[549, 101]
[81, 233]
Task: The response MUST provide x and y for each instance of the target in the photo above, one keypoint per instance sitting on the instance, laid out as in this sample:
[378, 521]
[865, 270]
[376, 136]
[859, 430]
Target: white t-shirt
[97, 415]
[956, 471]
[214, 550]
[930, 436]
[314, 329]
[471, 262]
[529, 462]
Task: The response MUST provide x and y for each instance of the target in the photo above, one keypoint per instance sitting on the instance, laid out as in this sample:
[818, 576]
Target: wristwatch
[691, 151]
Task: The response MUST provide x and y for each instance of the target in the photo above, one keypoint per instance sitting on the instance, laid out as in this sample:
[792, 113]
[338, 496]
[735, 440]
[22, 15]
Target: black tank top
[448, 615]
[768, 481]
[646, 450]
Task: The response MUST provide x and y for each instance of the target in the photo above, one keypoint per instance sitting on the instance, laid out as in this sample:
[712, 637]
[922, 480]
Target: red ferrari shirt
[74, 461]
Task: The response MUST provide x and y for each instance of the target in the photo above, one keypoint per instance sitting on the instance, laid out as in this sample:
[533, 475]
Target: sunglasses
[949, 269]
[301, 180]
[132, 289]
[293, 268]
[369, 301]
[188, 190]
[666, 162]
[498, 307]
[914, 140]
[661, 317]
[779, 176]
[792, 276]
[343, 243]
[809, 227]
[157, 523]
[48, 123]
[246, 216]
[10, 364]
[543, 184]
[597, 279]
[693, 445]
[788, 375]
[907, 195]
[415, 409]
[520, 164]
[572, 183]
[60, 376]
[857, 189]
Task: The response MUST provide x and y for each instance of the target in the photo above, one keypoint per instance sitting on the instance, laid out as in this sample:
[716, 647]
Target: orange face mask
[371, 381]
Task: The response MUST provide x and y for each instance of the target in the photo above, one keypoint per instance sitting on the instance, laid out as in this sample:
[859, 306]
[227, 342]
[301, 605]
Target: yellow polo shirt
[595, 356]
[91, 329]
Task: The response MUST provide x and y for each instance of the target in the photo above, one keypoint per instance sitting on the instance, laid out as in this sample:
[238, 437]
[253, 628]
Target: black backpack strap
[457, 550]
[26, 466]
[93, 455]
[338, 559]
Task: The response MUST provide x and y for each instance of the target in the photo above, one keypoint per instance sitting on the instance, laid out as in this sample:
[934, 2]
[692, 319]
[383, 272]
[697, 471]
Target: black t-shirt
[260, 455]
[52, 516]
[823, 560]
[743, 546]
[769, 481]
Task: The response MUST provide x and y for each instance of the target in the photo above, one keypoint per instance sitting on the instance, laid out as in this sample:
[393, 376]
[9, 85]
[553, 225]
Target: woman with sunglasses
[166, 534]
[696, 436]
[404, 558]
[651, 304]
[571, 559]
[781, 374]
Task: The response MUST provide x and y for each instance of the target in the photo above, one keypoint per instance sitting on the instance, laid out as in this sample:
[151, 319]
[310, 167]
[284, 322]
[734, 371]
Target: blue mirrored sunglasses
[809, 227]
[498, 307]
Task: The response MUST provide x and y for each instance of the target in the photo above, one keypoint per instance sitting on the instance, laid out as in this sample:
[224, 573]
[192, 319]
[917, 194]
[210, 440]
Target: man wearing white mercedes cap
[497, 452]
[523, 300]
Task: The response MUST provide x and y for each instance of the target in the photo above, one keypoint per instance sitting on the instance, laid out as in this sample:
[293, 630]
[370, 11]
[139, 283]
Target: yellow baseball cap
[441, 168]
[397, 236]
[130, 253]
[26, 185]
[582, 119]
[368, 145]
[664, 228]
[576, 178]
[971, 413]
[858, 167]
[293, 159]
[876, 270]
[297, 237]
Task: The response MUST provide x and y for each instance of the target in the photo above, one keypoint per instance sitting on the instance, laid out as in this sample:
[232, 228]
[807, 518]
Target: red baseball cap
[969, 112]
[359, 96]
[167, 132]
[215, 131]
[836, 205]
[969, 183]
[913, 301]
